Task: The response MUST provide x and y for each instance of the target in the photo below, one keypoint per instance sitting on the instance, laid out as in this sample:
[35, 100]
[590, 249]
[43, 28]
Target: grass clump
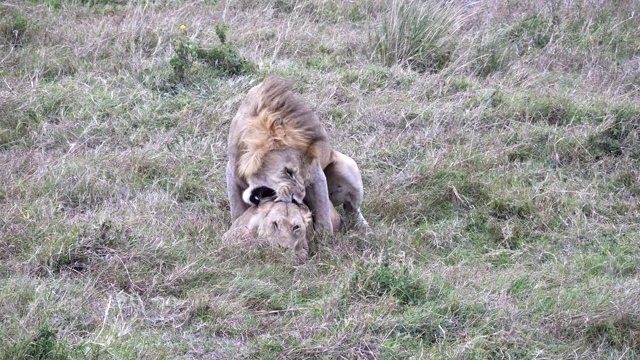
[594, 31]
[534, 31]
[15, 29]
[552, 109]
[43, 345]
[58, 4]
[222, 60]
[372, 281]
[620, 133]
[432, 196]
[491, 233]
[620, 332]
[15, 124]
[417, 34]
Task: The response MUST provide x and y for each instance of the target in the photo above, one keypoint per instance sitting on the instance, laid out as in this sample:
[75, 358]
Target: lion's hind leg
[345, 186]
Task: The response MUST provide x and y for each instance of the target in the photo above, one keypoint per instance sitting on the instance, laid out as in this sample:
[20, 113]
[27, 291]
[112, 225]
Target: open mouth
[261, 193]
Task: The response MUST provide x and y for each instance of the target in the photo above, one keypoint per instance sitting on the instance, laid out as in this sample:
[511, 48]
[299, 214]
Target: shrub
[223, 60]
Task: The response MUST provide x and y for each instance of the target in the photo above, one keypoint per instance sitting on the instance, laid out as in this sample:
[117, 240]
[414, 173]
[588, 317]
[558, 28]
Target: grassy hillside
[499, 143]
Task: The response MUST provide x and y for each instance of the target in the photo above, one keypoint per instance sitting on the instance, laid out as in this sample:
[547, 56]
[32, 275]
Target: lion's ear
[311, 154]
[307, 216]
[314, 151]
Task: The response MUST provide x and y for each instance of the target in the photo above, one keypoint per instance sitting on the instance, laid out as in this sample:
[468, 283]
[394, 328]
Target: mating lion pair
[283, 177]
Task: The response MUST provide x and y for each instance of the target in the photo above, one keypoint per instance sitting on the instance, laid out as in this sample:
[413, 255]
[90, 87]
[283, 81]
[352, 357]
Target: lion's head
[283, 176]
[285, 224]
[278, 223]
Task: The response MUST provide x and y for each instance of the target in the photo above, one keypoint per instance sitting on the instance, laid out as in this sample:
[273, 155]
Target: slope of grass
[500, 162]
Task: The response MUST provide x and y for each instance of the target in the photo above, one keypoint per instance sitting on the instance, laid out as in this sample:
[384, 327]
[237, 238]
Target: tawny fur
[277, 142]
[279, 121]
[293, 230]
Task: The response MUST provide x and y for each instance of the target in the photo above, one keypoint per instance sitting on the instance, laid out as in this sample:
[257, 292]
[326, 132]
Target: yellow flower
[183, 27]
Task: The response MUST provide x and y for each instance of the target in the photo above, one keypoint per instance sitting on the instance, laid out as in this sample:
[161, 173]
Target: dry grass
[502, 185]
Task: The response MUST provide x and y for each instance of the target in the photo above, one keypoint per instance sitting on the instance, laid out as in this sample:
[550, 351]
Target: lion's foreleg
[237, 205]
[317, 199]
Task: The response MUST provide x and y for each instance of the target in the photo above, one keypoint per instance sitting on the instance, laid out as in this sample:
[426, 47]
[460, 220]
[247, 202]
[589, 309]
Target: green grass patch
[43, 345]
[372, 281]
[532, 31]
[432, 196]
[15, 28]
[222, 60]
[621, 133]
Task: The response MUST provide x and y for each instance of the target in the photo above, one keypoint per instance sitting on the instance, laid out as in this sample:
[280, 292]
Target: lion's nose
[297, 200]
[284, 198]
[287, 194]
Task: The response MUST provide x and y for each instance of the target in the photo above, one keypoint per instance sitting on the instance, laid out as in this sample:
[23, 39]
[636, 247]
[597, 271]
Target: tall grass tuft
[418, 34]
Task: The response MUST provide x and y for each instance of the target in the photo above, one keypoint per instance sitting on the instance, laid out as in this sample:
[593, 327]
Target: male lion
[278, 148]
[277, 223]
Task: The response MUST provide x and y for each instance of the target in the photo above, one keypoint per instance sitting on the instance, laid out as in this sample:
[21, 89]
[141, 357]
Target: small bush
[223, 60]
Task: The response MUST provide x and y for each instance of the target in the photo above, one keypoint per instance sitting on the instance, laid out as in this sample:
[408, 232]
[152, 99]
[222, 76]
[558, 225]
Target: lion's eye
[296, 227]
[275, 226]
[289, 172]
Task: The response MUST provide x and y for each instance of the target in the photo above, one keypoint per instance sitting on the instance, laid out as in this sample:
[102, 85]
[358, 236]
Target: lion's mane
[280, 120]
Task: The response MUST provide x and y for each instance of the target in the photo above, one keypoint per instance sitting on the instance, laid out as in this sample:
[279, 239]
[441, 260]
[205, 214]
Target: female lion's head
[286, 225]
